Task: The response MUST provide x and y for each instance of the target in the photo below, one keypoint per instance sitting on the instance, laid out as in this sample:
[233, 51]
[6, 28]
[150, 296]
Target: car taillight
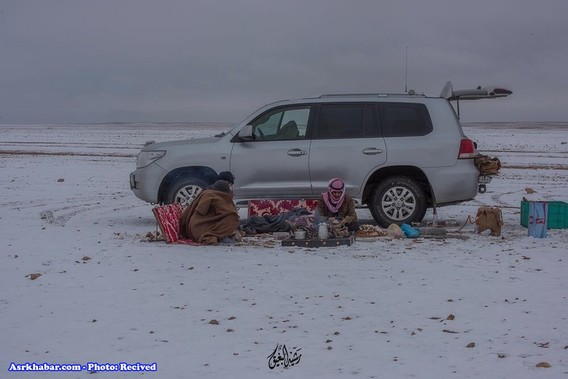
[467, 149]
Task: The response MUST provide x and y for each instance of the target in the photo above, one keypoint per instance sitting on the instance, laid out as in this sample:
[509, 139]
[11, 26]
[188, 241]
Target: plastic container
[323, 232]
[557, 216]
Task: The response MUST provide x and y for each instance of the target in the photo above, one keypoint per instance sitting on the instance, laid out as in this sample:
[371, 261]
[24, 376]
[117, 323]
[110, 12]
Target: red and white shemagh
[333, 203]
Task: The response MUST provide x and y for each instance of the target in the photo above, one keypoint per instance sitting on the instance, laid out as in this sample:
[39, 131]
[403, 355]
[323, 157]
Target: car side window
[282, 124]
[345, 121]
[404, 119]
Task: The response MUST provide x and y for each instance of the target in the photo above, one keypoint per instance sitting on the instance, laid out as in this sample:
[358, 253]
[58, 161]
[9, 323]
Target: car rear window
[404, 119]
[345, 121]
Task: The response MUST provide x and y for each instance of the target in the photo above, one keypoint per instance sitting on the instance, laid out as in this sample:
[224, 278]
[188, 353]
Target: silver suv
[397, 153]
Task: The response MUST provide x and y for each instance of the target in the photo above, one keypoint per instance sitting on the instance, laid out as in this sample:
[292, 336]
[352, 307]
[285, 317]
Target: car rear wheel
[398, 200]
[184, 191]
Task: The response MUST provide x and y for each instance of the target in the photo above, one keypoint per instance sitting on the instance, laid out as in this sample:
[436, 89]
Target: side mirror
[245, 134]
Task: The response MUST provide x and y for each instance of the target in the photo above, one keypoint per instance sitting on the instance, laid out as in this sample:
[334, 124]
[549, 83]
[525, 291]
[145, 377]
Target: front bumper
[145, 182]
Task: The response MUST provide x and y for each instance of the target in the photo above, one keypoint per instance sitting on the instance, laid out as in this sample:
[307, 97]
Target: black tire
[398, 200]
[185, 190]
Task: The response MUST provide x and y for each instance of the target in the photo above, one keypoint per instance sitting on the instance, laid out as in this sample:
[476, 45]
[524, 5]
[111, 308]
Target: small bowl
[300, 234]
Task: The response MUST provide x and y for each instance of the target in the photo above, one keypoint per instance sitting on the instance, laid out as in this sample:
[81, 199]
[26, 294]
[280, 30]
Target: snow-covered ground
[471, 307]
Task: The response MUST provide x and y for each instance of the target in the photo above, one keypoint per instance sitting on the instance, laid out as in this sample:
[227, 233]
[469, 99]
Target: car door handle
[372, 151]
[296, 152]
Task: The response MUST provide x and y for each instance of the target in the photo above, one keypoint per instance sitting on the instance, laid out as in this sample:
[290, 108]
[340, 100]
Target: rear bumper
[455, 183]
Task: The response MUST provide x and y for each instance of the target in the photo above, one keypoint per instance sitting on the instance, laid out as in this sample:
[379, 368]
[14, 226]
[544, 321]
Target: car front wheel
[184, 191]
[398, 200]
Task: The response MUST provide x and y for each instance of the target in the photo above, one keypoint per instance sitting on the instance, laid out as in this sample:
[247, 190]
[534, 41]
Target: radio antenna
[406, 72]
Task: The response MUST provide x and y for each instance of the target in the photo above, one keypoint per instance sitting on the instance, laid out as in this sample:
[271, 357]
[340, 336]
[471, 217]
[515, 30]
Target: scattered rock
[471, 344]
[529, 190]
[86, 258]
[214, 322]
[34, 276]
[60, 180]
[449, 331]
[450, 317]
[543, 365]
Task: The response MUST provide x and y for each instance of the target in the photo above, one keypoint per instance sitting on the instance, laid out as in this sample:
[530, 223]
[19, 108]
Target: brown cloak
[209, 218]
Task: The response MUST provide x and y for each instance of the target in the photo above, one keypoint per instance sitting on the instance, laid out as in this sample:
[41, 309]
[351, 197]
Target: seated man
[336, 205]
[228, 177]
[212, 216]
[289, 131]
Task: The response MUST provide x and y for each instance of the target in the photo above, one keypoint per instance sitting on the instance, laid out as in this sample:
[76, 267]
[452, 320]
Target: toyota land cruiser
[397, 153]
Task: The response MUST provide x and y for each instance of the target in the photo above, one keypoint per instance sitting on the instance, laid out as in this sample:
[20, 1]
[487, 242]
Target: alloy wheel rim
[187, 194]
[398, 203]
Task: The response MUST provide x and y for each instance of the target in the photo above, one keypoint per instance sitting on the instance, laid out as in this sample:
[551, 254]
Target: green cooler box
[557, 217]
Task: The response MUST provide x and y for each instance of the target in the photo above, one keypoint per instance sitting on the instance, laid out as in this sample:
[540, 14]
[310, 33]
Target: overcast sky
[217, 61]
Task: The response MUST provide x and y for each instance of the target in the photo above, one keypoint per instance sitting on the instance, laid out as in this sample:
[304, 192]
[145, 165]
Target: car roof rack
[364, 94]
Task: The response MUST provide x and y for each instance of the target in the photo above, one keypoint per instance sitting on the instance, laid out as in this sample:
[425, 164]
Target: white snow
[371, 310]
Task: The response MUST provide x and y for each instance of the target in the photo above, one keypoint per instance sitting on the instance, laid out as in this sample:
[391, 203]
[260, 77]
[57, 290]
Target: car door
[346, 143]
[274, 164]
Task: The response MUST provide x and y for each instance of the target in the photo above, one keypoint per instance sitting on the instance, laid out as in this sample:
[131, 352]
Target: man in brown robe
[212, 216]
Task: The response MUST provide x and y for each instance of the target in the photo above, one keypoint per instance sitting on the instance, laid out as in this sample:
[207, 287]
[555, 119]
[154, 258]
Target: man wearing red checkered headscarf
[336, 204]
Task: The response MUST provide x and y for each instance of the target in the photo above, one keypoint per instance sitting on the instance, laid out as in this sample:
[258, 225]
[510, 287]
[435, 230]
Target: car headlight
[149, 156]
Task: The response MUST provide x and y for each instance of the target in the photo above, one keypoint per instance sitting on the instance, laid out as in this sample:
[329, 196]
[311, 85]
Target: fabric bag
[538, 210]
[487, 165]
[489, 218]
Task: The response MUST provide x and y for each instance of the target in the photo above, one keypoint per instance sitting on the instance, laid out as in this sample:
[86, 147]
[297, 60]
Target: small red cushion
[168, 217]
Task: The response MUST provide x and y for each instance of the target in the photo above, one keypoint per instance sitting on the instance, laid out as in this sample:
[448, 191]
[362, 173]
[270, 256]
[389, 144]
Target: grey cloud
[142, 60]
